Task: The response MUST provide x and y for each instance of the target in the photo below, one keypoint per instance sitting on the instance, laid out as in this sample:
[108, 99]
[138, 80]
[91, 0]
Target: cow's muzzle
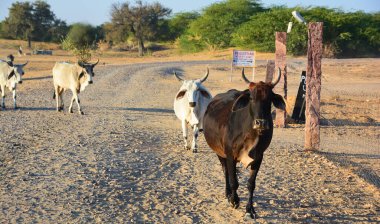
[19, 82]
[192, 104]
[260, 124]
[90, 82]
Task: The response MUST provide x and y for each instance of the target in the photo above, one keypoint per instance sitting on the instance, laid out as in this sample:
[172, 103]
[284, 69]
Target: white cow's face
[16, 75]
[192, 91]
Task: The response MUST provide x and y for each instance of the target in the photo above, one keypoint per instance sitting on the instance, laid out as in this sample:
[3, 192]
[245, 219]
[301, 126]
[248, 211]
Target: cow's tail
[54, 95]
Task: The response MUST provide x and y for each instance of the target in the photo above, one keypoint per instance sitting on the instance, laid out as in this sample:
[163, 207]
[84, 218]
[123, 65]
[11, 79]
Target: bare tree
[141, 20]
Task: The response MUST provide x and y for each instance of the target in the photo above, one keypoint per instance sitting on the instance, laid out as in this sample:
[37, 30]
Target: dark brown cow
[238, 126]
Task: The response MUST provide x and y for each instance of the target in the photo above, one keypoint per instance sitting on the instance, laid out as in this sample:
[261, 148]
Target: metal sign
[243, 58]
[299, 107]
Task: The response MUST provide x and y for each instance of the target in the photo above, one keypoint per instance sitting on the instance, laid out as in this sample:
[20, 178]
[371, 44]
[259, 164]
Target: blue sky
[97, 12]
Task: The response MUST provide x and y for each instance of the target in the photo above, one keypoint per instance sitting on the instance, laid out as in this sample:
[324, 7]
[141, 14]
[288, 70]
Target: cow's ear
[81, 75]
[181, 94]
[241, 102]
[205, 94]
[11, 74]
[279, 102]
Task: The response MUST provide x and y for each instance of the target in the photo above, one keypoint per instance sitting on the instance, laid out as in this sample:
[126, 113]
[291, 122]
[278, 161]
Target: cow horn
[179, 78]
[10, 63]
[278, 77]
[81, 64]
[244, 78]
[205, 76]
[96, 63]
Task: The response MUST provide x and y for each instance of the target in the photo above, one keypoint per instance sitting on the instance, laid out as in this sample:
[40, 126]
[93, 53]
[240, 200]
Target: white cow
[190, 104]
[74, 77]
[10, 75]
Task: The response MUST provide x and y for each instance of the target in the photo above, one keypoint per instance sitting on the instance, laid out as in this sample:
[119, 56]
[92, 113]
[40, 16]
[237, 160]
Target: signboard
[243, 58]
[299, 107]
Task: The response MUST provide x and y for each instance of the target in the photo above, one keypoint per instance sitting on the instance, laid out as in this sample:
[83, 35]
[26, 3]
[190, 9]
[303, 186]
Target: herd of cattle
[237, 125]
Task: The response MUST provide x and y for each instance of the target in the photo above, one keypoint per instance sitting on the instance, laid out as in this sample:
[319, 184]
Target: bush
[82, 35]
[259, 32]
[189, 44]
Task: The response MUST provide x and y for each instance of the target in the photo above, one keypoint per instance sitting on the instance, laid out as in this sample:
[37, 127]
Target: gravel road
[123, 161]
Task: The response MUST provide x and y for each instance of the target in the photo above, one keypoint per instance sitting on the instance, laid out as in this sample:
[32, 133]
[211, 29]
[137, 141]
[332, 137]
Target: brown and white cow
[238, 126]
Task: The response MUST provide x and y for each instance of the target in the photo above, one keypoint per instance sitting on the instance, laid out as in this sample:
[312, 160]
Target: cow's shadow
[169, 71]
[38, 78]
[153, 110]
[35, 108]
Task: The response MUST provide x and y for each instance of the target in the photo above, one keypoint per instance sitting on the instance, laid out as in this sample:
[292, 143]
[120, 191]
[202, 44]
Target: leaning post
[313, 86]
[281, 88]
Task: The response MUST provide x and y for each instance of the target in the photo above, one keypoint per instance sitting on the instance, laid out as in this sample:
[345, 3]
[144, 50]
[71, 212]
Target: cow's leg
[57, 96]
[71, 104]
[78, 103]
[3, 97]
[60, 96]
[14, 98]
[223, 161]
[255, 166]
[184, 133]
[194, 145]
[234, 184]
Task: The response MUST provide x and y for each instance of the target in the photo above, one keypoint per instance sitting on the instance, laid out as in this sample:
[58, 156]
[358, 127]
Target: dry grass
[41, 65]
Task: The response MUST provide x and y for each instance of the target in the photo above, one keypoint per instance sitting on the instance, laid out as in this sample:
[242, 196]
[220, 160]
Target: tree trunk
[141, 47]
[29, 42]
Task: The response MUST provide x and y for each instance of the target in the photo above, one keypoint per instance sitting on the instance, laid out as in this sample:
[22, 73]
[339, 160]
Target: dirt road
[123, 161]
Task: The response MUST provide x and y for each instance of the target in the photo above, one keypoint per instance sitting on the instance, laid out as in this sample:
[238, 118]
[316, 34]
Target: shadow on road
[154, 110]
[346, 160]
[38, 78]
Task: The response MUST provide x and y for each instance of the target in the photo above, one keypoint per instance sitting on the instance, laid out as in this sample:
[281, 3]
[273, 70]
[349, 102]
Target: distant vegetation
[229, 23]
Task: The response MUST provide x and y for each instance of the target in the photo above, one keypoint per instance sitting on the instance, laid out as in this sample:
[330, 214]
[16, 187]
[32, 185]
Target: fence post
[270, 71]
[281, 88]
[313, 86]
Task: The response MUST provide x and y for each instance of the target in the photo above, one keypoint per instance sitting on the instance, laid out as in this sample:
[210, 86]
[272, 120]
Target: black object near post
[299, 106]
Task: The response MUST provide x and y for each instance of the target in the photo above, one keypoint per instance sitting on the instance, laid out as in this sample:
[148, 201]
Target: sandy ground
[123, 162]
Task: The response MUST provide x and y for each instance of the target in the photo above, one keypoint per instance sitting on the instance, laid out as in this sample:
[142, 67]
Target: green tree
[82, 35]
[43, 19]
[218, 21]
[353, 34]
[140, 20]
[259, 32]
[180, 22]
[58, 31]
[19, 24]
[35, 21]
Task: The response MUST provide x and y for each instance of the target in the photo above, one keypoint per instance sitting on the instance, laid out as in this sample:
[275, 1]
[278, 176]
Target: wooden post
[313, 86]
[270, 71]
[281, 88]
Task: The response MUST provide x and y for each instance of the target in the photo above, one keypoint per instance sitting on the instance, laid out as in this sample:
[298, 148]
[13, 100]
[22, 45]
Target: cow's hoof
[195, 150]
[81, 113]
[186, 147]
[234, 201]
[250, 216]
